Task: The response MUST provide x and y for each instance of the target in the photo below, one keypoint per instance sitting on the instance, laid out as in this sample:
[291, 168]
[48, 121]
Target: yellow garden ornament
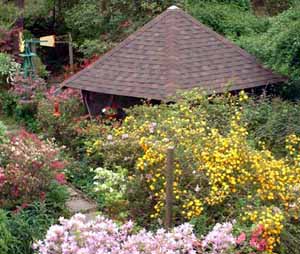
[48, 41]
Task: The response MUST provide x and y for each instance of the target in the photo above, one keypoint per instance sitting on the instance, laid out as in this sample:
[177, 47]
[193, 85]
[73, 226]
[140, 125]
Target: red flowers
[256, 241]
[60, 178]
[58, 165]
[32, 165]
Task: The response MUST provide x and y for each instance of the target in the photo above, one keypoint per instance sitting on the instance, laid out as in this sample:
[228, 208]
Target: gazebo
[172, 52]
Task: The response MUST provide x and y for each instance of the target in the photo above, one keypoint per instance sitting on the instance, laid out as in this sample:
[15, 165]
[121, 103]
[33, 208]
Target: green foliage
[90, 48]
[37, 12]
[281, 52]
[25, 113]
[80, 174]
[6, 238]
[5, 61]
[200, 224]
[3, 130]
[270, 121]
[228, 19]
[56, 198]
[245, 4]
[290, 238]
[20, 229]
[8, 68]
[9, 14]
[8, 103]
[85, 20]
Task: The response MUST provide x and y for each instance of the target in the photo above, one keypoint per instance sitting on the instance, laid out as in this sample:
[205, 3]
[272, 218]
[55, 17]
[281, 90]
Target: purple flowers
[80, 236]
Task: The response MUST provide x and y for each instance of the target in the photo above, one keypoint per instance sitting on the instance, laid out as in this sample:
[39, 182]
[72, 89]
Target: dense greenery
[19, 230]
[9, 15]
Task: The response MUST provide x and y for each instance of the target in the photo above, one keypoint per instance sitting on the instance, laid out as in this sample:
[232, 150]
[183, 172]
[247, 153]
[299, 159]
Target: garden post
[169, 187]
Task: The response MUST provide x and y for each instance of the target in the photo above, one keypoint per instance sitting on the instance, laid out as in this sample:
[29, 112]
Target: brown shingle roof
[173, 51]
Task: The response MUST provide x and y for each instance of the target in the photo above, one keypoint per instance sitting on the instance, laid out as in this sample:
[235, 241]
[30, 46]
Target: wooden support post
[169, 187]
[86, 103]
[71, 57]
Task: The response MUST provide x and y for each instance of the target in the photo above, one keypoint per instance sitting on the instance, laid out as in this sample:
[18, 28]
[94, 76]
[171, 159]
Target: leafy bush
[28, 169]
[90, 48]
[85, 20]
[271, 121]
[228, 19]
[281, 53]
[3, 130]
[8, 103]
[26, 224]
[9, 14]
[8, 68]
[6, 238]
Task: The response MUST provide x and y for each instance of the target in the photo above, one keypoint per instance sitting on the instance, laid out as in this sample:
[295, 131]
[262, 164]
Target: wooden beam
[169, 187]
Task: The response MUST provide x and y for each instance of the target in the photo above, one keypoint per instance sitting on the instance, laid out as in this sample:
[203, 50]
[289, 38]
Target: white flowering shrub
[111, 185]
[8, 68]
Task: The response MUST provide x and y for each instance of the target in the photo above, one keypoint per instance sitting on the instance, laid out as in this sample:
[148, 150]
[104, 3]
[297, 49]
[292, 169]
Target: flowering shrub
[271, 221]
[78, 235]
[220, 239]
[8, 68]
[70, 108]
[27, 88]
[215, 167]
[28, 167]
[111, 185]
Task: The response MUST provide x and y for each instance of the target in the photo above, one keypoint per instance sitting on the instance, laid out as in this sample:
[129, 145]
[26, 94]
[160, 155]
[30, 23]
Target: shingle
[173, 51]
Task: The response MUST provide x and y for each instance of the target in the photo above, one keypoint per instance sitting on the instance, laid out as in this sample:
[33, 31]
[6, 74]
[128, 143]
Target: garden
[234, 158]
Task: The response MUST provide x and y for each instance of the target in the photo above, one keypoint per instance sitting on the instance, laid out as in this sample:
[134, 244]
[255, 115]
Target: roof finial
[173, 7]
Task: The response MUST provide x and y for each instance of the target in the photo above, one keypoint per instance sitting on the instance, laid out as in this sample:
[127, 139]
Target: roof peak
[173, 7]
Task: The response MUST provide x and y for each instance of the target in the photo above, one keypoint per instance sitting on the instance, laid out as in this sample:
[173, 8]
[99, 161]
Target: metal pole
[169, 187]
[71, 57]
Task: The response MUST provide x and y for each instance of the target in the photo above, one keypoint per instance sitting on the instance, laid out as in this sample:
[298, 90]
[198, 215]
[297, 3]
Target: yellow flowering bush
[215, 167]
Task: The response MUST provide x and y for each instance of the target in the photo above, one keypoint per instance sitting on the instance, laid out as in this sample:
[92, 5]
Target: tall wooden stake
[169, 187]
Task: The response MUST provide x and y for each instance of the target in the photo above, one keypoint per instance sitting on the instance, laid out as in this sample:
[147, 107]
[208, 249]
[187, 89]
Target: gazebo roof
[173, 51]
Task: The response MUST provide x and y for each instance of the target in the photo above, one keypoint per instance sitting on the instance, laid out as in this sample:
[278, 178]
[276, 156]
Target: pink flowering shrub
[78, 235]
[27, 169]
[252, 241]
[27, 88]
[222, 240]
[219, 240]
